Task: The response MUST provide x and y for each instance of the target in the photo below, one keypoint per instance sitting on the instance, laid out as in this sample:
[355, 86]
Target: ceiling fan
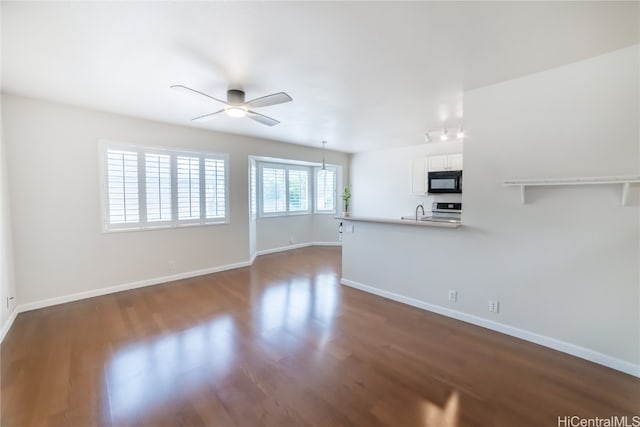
[236, 106]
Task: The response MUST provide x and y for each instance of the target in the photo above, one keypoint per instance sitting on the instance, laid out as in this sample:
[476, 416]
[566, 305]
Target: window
[158, 177]
[148, 187]
[284, 189]
[188, 188]
[274, 195]
[253, 177]
[325, 190]
[298, 190]
[215, 189]
[122, 176]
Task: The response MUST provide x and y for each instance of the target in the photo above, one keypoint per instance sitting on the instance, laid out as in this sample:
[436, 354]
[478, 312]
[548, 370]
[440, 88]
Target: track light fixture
[443, 134]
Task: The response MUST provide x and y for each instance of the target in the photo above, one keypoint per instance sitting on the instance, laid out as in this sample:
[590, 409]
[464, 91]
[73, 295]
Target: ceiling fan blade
[273, 99]
[182, 88]
[260, 118]
[206, 117]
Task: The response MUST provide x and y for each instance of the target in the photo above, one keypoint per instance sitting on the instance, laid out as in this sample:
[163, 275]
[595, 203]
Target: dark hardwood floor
[283, 344]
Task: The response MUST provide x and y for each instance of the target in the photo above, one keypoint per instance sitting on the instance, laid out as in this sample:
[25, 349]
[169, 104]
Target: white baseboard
[326, 244]
[565, 347]
[125, 287]
[9, 323]
[296, 246]
[283, 248]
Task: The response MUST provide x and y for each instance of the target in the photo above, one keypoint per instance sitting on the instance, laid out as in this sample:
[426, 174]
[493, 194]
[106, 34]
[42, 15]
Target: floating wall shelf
[625, 181]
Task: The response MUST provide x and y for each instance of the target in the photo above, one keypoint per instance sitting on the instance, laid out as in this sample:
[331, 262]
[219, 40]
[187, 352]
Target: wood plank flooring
[281, 343]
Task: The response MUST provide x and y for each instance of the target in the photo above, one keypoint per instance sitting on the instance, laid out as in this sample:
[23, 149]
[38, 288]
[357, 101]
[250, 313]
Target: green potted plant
[346, 196]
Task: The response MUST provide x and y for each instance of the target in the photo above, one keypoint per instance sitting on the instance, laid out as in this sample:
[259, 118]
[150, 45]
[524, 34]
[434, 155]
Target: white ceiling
[363, 75]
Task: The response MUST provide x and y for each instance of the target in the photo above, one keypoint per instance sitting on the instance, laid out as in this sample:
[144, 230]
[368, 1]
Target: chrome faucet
[419, 207]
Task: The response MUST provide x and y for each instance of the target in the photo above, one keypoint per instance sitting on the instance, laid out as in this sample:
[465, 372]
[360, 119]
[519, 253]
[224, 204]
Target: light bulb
[236, 112]
[460, 133]
[444, 135]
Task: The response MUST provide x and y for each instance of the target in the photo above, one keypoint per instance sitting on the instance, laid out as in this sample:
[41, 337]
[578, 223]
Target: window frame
[316, 172]
[286, 167]
[143, 223]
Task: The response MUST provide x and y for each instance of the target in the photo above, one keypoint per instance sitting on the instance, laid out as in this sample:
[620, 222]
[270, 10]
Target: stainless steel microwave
[445, 182]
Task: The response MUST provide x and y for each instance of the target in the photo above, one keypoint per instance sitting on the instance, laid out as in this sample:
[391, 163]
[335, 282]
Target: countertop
[394, 221]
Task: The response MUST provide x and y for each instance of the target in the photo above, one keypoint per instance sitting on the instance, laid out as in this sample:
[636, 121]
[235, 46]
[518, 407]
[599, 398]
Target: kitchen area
[434, 187]
[491, 265]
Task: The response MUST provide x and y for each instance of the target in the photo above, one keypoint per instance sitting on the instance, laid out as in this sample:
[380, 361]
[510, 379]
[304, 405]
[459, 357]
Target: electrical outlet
[291, 240]
[453, 295]
[494, 306]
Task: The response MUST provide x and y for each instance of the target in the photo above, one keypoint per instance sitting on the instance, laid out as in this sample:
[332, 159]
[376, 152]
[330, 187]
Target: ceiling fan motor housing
[235, 97]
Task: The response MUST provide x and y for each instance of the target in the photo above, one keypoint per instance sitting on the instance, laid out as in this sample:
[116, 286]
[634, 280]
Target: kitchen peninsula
[412, 222]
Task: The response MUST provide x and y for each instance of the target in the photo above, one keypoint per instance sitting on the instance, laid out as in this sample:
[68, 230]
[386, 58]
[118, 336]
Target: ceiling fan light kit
[236, 112]
[235, 105]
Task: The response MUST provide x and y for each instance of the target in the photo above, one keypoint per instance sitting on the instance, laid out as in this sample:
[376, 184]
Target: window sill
[162, 227]
[285, 215]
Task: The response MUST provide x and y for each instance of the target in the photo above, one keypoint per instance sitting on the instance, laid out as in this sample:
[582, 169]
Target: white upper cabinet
[419, 176]
[444, 162]
[437, 163]
[455, 161]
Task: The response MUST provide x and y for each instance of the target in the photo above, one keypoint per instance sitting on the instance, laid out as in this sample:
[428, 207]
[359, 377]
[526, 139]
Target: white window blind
[147, 187]
[188, 176]
[122, 178]
[215, 188]
[283, 189]
[274, 191]
[158, 188]
[298, 183]
[253, 190]
[326, 190]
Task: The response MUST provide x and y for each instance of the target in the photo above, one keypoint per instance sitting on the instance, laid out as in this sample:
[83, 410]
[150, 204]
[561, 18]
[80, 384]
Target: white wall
[283, 231]
[565, 265]
[52, 156]
[7, 284]
[280, 232]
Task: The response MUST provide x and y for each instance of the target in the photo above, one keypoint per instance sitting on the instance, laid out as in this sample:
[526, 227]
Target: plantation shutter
[325, 190]
[158, 187]
[122, 187]
[215, 188]
[274, 196]
[188, 187]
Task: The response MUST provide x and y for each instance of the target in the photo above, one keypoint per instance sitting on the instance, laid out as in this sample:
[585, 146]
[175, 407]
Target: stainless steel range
[445, 212]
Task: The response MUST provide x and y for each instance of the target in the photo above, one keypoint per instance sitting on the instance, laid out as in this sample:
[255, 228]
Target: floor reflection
[446, 416]
[147, 375]
[293, 304]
